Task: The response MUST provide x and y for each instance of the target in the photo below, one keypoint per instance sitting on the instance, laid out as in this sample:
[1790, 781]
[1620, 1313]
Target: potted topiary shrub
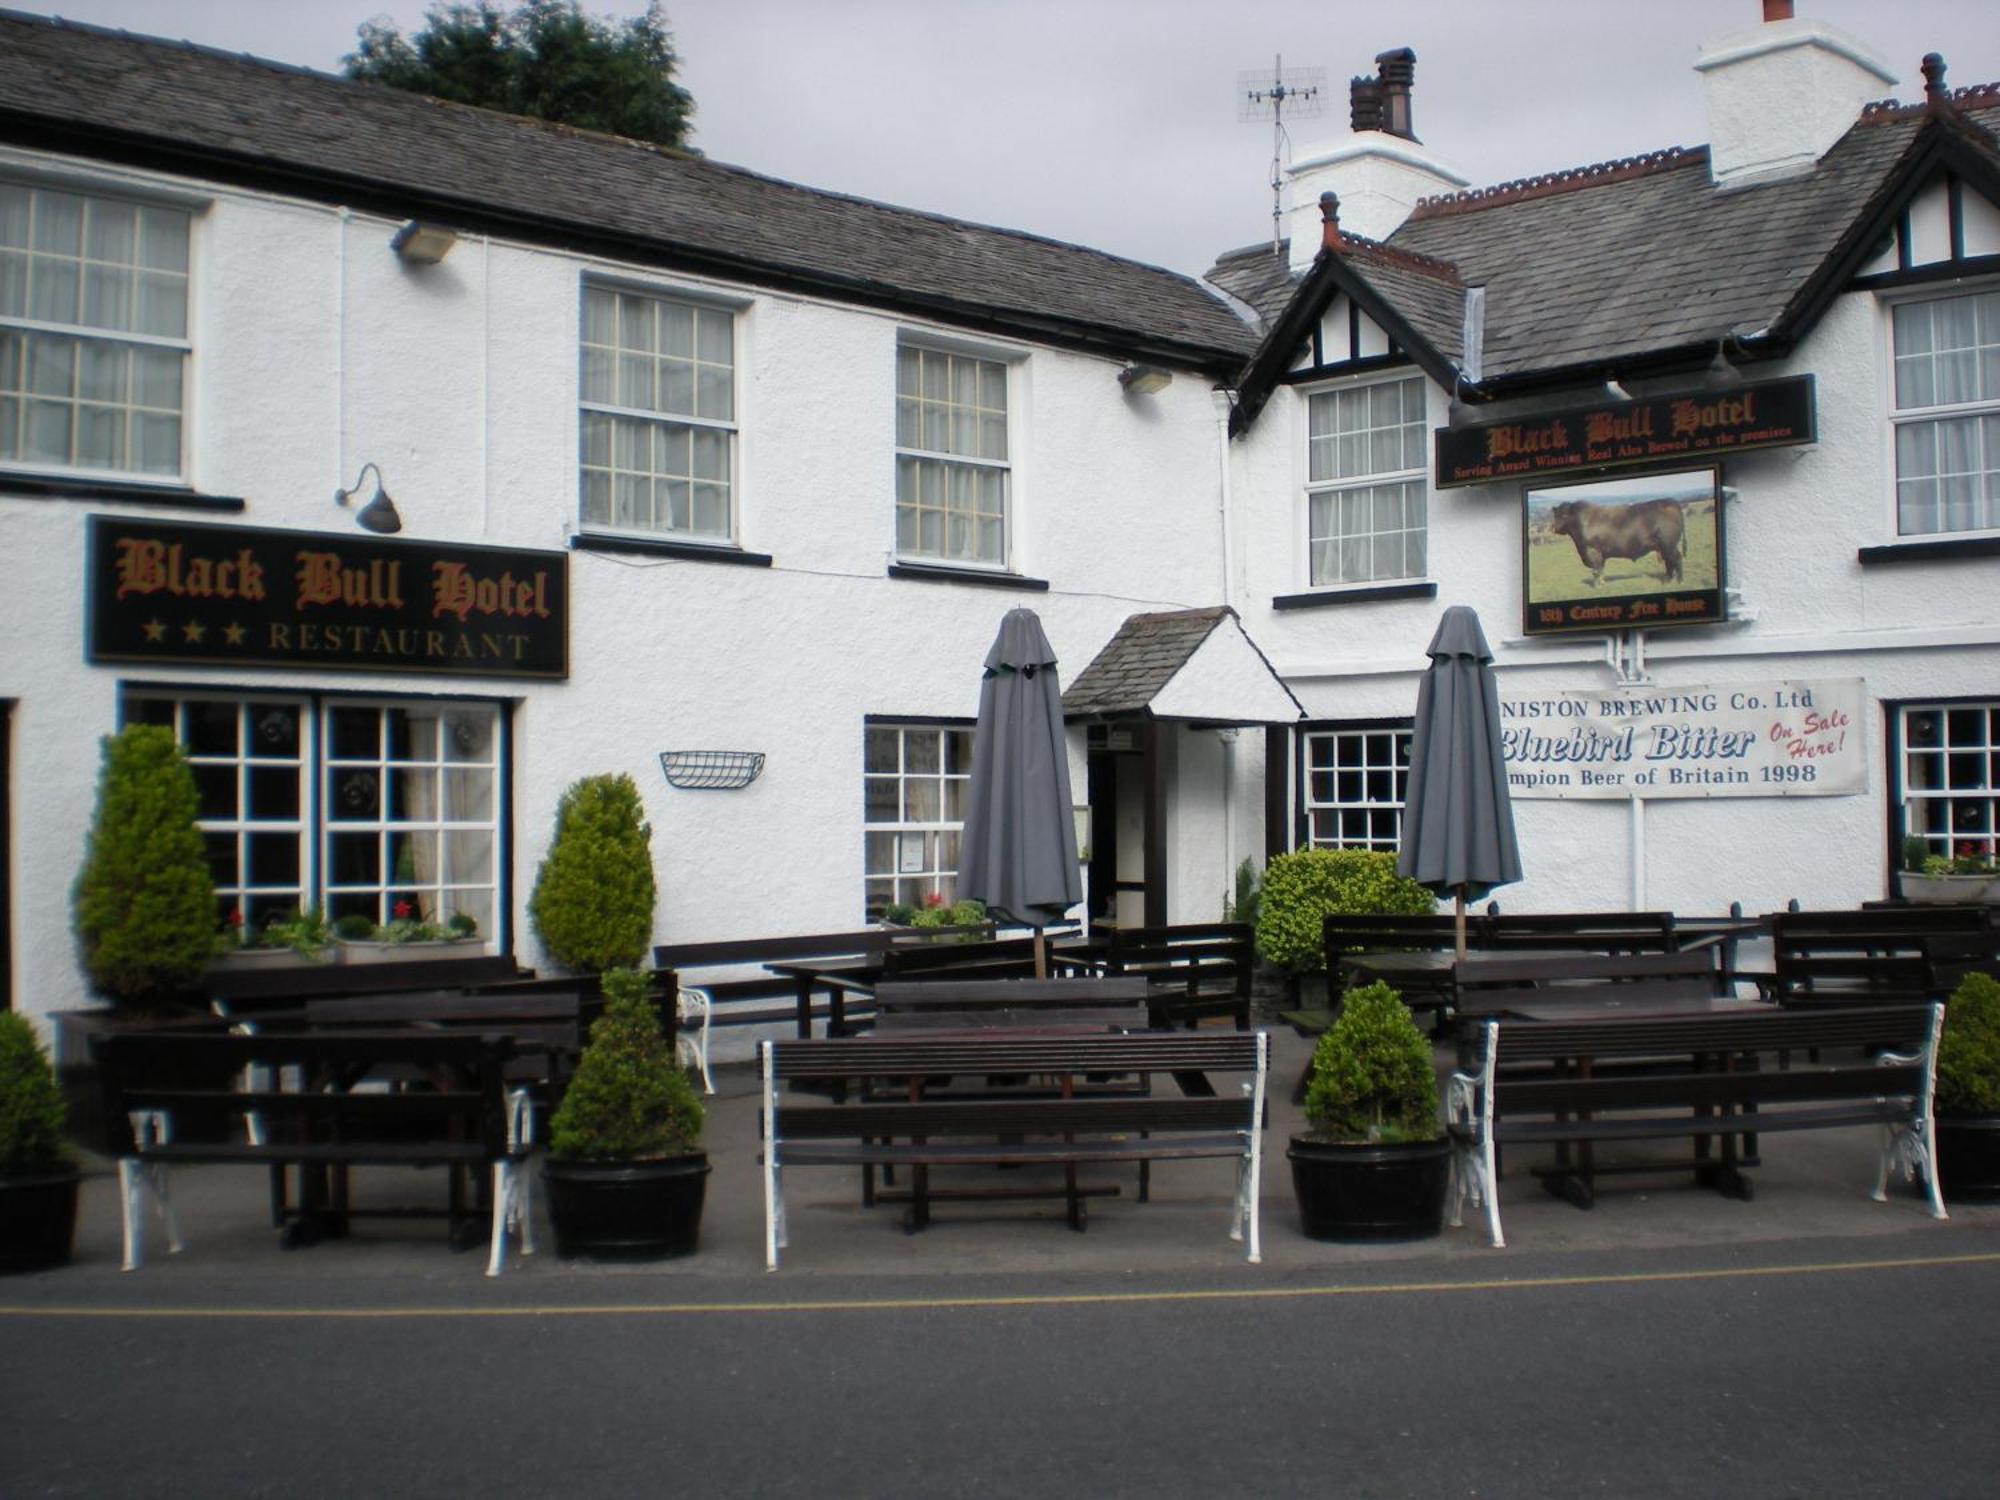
[1301, 888]
[592, 905]
[144, 901]
[38, 1180]
[1373, 1164]
[624, 1174]
[1967, 1102]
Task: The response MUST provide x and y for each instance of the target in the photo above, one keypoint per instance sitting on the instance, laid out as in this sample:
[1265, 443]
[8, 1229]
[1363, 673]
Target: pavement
[1810, 1186]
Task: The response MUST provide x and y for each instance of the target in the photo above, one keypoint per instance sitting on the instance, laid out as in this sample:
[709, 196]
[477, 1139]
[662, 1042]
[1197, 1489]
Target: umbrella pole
[1041, 956]
[1461, 921]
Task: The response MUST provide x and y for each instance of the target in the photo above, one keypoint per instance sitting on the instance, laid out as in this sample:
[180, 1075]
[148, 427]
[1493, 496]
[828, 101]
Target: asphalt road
[1829, 1367]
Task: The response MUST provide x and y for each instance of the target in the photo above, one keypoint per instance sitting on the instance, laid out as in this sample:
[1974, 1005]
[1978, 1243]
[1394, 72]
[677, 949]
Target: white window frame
[1353, 780]
[603, 458]
[17, 392]
[1334, 484]
[1984, 412]
[1950, 778]
[317, 771]
[921, 852]
[947, 460]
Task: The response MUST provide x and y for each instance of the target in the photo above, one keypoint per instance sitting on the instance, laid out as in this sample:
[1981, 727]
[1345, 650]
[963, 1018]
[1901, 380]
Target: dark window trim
[917, 721]
[173, 497]
[586, 541]
[1369, 364]
[1374, 595]
[1930, 271]
[940, 573]
[1955, 549]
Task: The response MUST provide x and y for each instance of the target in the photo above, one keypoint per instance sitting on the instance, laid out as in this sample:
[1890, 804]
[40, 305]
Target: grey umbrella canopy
[1458, 826]
[1018, 853]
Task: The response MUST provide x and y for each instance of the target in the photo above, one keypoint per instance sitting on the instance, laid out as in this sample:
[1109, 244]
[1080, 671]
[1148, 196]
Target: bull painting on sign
[1623, 554]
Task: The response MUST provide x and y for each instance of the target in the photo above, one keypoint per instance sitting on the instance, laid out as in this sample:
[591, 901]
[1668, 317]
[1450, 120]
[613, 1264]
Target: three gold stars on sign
[194, 632]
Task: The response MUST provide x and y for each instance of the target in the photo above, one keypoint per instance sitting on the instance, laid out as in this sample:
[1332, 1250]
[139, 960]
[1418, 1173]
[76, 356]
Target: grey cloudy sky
[1115, 123]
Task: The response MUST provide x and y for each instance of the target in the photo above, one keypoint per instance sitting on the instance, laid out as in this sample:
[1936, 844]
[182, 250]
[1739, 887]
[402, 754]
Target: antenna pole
[1300, 90]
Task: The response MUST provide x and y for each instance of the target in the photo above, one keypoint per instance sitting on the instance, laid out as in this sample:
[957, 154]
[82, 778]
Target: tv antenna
[1278, 94]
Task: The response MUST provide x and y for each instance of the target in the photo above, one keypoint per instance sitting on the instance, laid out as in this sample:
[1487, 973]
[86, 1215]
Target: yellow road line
[928, 1304]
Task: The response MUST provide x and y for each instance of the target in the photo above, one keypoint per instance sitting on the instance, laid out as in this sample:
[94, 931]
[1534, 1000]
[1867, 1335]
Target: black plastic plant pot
[1968, 1149]
[641, 1210]
[1361, 1192]
[37, 1219]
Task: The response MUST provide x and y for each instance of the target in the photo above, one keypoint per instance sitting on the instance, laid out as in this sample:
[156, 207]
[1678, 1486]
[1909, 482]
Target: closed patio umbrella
[1018, 853]
[1458, 826]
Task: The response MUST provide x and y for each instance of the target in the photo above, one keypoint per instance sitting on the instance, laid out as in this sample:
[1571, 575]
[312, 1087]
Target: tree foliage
[1372, 1077]
[593, 901]
[629, 1099]
[1302, 887]
[544, 58]
[31, 1105]
[144, 901]
[1968, 1053]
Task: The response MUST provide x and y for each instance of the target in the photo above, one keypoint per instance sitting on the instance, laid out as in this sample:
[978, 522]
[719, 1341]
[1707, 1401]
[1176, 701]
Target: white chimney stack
[1780, 94]
[1378, 170]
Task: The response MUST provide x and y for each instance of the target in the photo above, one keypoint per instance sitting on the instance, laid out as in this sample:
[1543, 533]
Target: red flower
[235, 917]
[402, 910]
[934, 900]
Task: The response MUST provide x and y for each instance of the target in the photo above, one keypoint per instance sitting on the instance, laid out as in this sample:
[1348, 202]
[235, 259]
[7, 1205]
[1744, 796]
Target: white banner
[1779, 739]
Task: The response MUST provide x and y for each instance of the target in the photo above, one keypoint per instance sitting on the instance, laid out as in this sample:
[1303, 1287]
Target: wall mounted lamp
[423, 244]
[379, 514]
[1721, 373]
[1145, 380]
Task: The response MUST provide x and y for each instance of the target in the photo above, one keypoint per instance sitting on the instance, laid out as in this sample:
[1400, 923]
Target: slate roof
[1140, 660]
[221, 116]
[1616, 264]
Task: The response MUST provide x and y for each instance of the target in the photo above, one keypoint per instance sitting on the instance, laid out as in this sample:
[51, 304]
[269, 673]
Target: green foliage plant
[1301, 888]
[1916, 849]
[1372, 1079]
[544, 58]
[31, 1105]
[1243, 907]
[629, 1099]
[1968, 1054]
[592, 905]
[306, 932]
[354, 927]
[144, 902]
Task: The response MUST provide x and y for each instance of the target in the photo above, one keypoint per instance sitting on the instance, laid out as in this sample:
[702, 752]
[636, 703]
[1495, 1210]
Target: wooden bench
[1585, 931]
[1496, 983]
[900, 1121]
[1537, 1082]
[1197, 970]
[741, 993]
[1873, 956]
[919, 1004]
[242, 993]
[464, 1121]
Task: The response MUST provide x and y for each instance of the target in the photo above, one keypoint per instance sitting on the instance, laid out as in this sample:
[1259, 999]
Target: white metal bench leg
[774, 1206]
[521, 1141]
[503, 1207]
[136, 1179]
[691, 1007]
[129, 1188]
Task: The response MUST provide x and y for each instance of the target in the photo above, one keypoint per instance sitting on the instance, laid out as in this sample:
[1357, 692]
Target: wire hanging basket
[711, 770]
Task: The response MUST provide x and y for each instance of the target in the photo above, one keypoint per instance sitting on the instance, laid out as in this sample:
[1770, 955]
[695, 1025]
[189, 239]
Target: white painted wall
[316, 350]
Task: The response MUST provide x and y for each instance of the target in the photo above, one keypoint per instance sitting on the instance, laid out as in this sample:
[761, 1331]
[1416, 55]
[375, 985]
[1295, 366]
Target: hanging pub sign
[199, 595]
[1622, 554]
[1651, 430]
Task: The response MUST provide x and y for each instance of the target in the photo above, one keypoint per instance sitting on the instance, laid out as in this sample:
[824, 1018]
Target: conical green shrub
[144, 901]
[629, 1099]
[592, 905]
[31, 1105]
[1372, 1077]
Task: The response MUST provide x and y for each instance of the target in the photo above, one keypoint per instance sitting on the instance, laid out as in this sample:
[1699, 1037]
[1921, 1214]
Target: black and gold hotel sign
[1665, 431]
[194, 595]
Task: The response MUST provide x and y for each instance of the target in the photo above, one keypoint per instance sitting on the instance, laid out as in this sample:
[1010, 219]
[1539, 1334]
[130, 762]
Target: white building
[758, 469]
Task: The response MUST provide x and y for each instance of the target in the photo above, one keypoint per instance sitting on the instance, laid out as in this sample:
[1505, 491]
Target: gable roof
[1193, 664]
[229, 118]
[1641, 263]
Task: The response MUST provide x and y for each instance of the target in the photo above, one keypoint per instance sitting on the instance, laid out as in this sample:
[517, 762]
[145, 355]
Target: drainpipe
[1223, 495]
